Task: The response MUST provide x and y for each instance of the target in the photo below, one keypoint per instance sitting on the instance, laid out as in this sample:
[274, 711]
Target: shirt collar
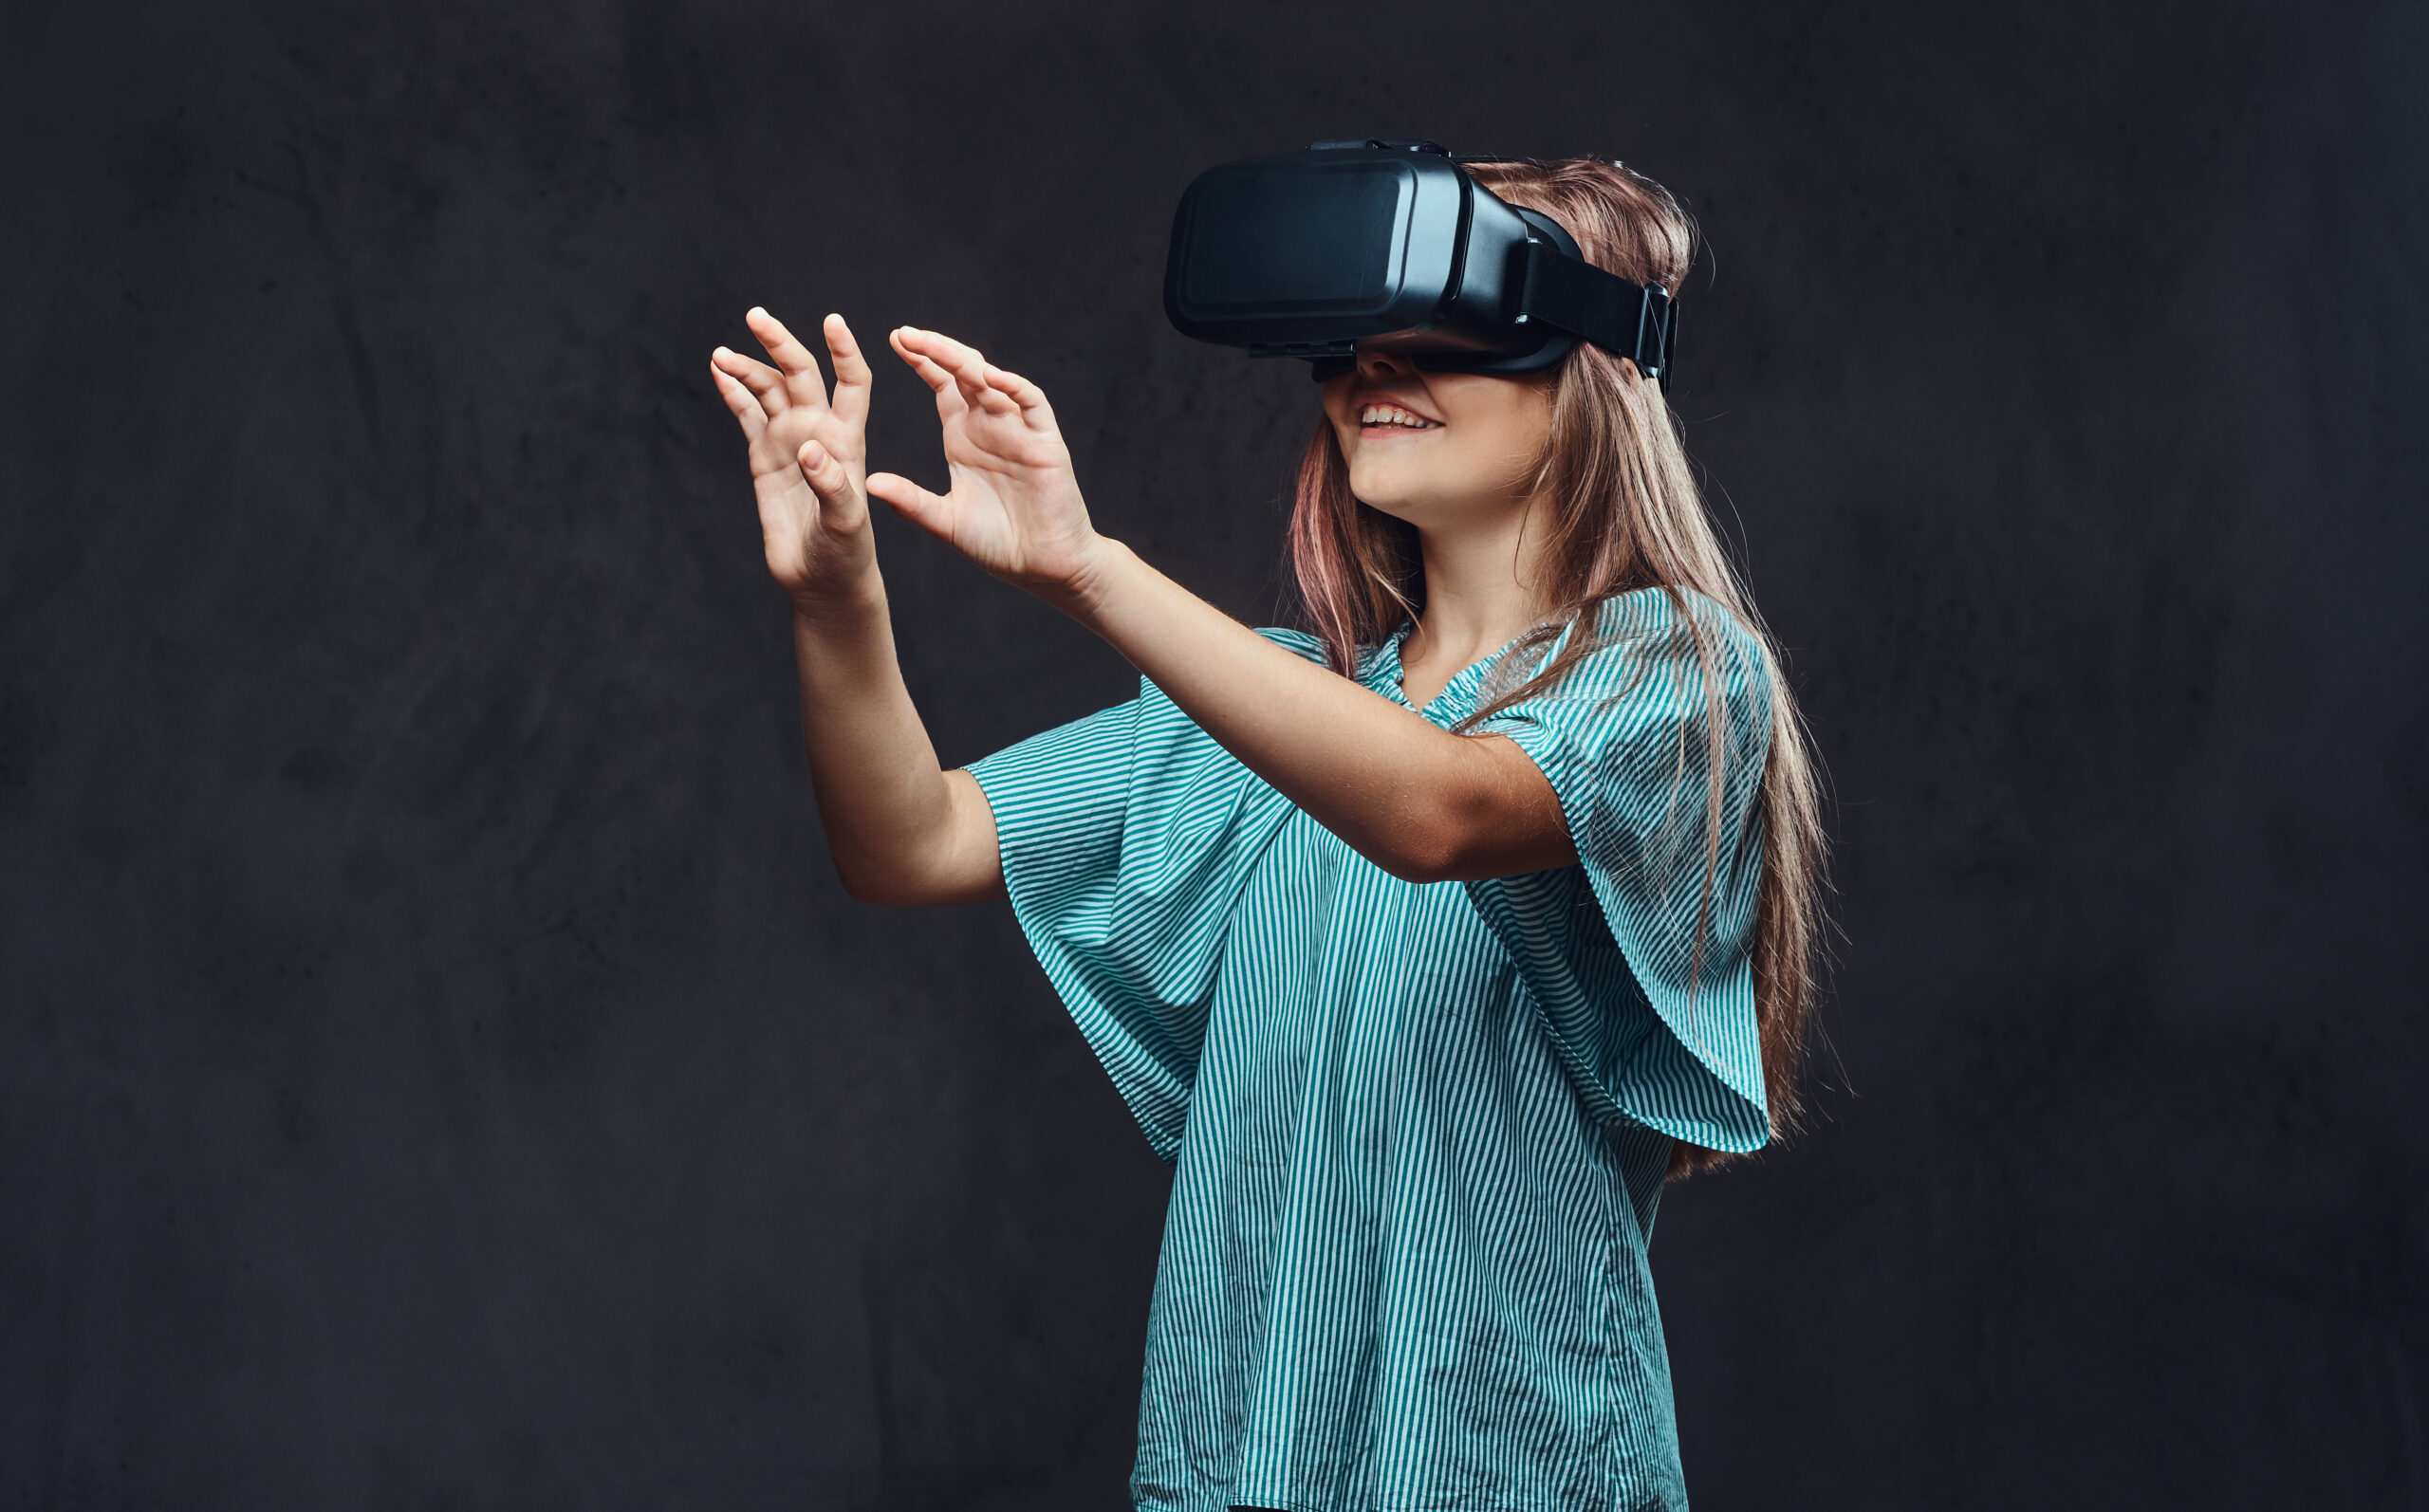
[1457, 695]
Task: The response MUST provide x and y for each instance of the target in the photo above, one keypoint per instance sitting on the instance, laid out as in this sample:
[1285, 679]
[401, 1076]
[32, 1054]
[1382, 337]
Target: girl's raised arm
[1415, 798]
[902, 829]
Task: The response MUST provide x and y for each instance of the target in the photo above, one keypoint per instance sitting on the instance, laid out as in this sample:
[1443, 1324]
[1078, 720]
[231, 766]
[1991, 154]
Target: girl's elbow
[1457, 843]
[1431, 853]
[886, 886]
[921, 881]
[858, 886]
[1424, 871]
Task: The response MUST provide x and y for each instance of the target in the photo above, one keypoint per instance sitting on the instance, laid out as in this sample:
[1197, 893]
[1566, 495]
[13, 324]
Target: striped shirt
[1419, 1130]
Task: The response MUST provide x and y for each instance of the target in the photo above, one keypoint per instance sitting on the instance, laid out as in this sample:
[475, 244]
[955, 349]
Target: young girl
[1426, 943]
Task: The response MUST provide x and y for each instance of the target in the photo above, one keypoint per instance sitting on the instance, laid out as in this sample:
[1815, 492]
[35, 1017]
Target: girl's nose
[1376, 364]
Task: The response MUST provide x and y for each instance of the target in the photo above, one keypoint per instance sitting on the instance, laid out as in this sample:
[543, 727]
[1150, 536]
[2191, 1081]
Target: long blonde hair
[1625, 515]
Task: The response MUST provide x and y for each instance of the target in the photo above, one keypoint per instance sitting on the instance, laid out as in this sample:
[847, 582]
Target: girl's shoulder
[1649, 643]
[1664, 615]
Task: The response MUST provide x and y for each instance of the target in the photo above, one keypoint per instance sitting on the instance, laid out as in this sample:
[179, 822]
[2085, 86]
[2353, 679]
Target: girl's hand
[1015, 506]
[808, 459]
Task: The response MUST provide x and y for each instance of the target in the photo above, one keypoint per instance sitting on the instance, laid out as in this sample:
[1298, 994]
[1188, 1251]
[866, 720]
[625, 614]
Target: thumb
[826, 477]
[914, 503]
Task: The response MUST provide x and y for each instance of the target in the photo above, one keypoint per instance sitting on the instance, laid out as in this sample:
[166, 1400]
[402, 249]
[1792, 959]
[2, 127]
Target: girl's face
[1441, 450]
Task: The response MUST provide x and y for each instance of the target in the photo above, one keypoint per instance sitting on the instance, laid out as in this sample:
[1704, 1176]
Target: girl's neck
[1484, 587]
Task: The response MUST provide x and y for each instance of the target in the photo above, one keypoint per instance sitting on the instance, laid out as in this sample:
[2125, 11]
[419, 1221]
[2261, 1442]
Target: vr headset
[1390, 245]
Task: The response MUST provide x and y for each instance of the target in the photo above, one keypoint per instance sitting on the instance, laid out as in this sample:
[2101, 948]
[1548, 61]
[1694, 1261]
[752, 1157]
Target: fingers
[740, 399]
[1031, 399]
[959, 366]
[782, 345]
[852, 375]
[961, 377]
[940, 361]
[914, 503]
[802, 383]
[949, 402]
[756, 377]
[901, 340]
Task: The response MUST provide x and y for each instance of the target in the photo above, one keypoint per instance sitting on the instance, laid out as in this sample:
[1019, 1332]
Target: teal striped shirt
[1419, 1130]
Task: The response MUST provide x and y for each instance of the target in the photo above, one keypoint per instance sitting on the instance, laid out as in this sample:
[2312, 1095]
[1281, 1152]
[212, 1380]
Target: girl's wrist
[842, 603]
[1084, 594]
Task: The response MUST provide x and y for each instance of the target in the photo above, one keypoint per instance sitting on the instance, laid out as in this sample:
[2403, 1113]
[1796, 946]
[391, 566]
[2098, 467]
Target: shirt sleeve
[1127, 838]
[1638, 959]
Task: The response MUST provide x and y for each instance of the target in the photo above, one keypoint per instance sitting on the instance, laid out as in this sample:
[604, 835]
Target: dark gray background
[438, 1068]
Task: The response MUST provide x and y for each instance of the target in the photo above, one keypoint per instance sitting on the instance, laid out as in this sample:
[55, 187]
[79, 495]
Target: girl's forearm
[901, 830]
[1410, 796]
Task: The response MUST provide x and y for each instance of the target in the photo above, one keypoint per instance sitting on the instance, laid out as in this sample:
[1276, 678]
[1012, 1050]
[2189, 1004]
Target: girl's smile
[1441, 450]
[1379, 418]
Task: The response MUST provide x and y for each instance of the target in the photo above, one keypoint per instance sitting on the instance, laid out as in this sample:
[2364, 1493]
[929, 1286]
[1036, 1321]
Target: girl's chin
[1404, 504]
[1375, 494]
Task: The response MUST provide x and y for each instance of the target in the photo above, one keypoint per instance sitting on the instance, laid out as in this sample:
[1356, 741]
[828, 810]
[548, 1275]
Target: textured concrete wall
[438, 1068]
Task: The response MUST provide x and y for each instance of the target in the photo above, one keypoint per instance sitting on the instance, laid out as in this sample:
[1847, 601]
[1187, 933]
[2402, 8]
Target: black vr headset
[1390, 245]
